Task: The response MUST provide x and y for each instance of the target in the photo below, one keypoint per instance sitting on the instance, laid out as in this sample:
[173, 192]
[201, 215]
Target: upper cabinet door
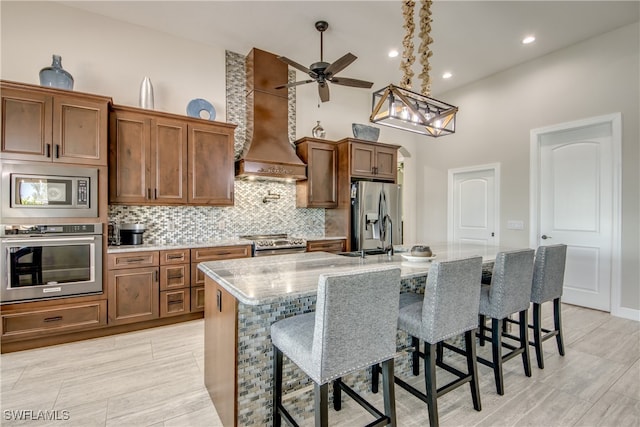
[211, 165]
[362, 159]
[80, 131]
[320, 189]
[129, 153]
[169, 161]
[50, 125]
[386, 163]
[26, 125]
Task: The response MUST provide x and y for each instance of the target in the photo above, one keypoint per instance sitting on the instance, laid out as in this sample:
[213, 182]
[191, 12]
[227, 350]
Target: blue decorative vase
[56, 76]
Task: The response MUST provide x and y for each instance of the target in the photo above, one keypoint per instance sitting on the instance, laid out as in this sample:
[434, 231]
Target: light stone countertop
[170, 246]
[262, 280]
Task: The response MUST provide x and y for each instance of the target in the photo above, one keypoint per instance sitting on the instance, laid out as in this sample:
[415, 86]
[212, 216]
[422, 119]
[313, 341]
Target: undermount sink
[359, 253]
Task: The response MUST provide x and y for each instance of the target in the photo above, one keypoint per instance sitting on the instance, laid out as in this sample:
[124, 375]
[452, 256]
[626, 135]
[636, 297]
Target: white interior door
[473, 205]
[575, 180]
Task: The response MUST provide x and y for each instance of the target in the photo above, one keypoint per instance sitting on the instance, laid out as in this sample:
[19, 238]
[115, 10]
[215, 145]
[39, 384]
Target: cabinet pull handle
[219, 300]
[57, 151]
[134, 259]
[224, 253]
[177, 276]
[155, 275]
[155, 193]
[175, 302]
[53, 319]
[48, 150]
[148, 193]
[175, 256]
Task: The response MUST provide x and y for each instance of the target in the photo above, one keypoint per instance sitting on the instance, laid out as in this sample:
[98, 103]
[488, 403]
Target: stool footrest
[382, 418]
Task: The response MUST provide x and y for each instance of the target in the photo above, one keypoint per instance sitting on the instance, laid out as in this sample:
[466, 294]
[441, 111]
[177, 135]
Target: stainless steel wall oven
[48, 261]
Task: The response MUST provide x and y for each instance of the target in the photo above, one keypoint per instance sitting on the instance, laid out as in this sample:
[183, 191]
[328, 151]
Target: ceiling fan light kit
[402, 108]
[324, 72]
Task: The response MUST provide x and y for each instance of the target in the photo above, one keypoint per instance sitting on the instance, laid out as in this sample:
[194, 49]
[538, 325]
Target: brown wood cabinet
[373, 160]
[52, 125]
[133, 287]
[175, 282]
[221, 330]
[59, 318]
[160, 159]
[216, 253]
[320, 189]
[332, 245]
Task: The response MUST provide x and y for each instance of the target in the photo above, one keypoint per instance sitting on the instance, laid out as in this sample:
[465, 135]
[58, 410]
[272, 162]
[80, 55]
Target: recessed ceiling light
[447, 75]
[393, 53]
[528, 40]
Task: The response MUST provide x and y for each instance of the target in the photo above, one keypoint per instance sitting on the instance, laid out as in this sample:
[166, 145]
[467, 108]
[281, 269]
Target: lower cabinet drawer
[197, 299]
[56, 319]
[175, 302]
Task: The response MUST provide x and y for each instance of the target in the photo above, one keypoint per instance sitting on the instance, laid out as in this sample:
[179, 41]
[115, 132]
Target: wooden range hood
[268, 154]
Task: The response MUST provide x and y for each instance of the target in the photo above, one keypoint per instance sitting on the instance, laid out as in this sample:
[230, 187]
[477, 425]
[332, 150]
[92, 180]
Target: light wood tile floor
[154, 378]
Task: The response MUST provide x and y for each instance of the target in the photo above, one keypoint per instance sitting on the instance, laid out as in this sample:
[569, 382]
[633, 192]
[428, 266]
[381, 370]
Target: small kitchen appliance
[131, 234]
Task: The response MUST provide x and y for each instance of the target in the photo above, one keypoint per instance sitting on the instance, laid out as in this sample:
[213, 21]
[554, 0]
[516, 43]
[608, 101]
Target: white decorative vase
[146, 94]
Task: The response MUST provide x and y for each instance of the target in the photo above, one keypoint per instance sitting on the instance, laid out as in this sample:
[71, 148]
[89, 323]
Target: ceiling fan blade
[294, 64]
[345, 81]
[294, 84]
[339, 65]
[323, 91]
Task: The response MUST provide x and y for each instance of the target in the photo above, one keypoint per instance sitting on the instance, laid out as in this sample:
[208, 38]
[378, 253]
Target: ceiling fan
[323, 72]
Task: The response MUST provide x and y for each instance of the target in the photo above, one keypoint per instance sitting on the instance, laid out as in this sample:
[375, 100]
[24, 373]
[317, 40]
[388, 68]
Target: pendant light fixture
[399, 106]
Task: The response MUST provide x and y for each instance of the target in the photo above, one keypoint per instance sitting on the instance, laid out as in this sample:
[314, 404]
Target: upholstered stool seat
[449, 307]
[509, 293]
[353, 327]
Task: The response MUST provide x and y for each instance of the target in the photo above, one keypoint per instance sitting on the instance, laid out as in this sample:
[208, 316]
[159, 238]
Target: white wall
[596, 77]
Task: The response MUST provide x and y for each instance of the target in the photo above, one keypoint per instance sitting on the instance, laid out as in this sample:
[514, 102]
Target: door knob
[545, 237]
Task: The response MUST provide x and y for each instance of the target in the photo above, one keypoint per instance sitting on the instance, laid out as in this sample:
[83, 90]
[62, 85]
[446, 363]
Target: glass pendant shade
[403, 109]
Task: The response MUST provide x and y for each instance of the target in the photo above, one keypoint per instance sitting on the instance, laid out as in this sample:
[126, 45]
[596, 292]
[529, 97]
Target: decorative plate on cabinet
[196, 106]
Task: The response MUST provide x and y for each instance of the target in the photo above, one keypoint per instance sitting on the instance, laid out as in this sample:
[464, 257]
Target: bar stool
[548, 280]
[449, 307]
[509, 293]
[353, 327]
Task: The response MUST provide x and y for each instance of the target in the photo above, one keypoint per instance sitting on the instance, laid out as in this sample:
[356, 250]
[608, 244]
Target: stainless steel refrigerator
[376, 215]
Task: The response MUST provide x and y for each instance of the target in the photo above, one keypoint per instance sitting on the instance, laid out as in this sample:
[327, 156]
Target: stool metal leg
[277, 386]
[389, 391]
[321, 404]
[337, 395]
[537, 334]
[375, 378]
[430, 382]
[415, 355]
[524, 341]
[496, 344]
[557, 320]
[472, 368]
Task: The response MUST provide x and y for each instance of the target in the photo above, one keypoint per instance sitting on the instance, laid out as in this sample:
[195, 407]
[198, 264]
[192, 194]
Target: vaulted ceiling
[472, 39]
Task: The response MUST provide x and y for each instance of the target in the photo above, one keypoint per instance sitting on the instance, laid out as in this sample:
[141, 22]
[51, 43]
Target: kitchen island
[244, 297]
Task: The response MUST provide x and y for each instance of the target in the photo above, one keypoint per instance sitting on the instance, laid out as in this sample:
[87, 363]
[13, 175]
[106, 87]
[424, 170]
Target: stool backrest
[510, 291]
[356, 320]
[451, 298]
[548, 273]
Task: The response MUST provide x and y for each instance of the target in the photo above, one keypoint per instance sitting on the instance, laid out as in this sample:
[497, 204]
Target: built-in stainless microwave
[45, 191]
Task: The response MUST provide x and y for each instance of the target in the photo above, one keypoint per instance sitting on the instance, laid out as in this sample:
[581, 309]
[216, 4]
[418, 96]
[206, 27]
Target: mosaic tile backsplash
[249, 215]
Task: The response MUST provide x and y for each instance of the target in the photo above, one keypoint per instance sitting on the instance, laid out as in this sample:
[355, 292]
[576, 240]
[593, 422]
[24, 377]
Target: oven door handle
[50, 239]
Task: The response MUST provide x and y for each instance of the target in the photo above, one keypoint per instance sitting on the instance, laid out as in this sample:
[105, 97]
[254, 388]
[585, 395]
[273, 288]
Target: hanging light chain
[424, 52]
[408, 57]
